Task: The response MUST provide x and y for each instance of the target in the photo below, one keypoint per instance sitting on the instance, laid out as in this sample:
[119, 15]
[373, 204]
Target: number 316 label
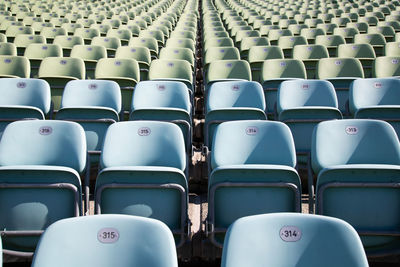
[108, 235]
[290, 233]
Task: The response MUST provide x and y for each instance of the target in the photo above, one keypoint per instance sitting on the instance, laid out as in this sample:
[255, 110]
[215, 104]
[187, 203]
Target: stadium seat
[331, 42]
[124, 35]
[36, 52]
[287, 43]
[248, 42]
[377, 40]
[110, 43]
[94, 104]
[357, 163]
[310, 55]
[364, 52]
[51, 32]
[141, 54]
[21, 41]
[57, 71]
[340, 72]
[251, 172]
[67, 43]
[118, 239]
[90, 55]
[164, 101]
[14, 67]
[275, 71]
[293, 240]
[149, 42]
[386, 67]
[124, 71]
[376, 98]
[219, 53]
[23, 98]
[232, 100]
[257, 55]
[143, 172]
[392, 49]
[87, 34]
[40, 182]
[178, 53]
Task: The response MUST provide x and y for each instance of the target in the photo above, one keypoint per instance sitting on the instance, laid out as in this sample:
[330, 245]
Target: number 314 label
[290, 233]
[108, 235]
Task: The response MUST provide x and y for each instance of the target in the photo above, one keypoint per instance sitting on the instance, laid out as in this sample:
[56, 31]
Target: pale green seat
[327, 27]
[357, 163]
[273, 73]
[386, 67]
[87, 34]
[275, 34]
[164, 101]
[348, 33]
[149, 42]
[51, 32]
[392, 23]
[341, 21]
[232, 100]
[122, 240]
[223, 70]
[302, 17]
[311, 34]
[284, 23]
[71, 27]
[177, 33]
[217, 42]
[94, 104]
[57, 71]
[21, 41]
[214, 34]
[370, 20]
[251, 172]
[14, 30]
[377, 40]
[310, 55]
[257, 55]
[340, 72]
[141, 54]
[57, 21]
[143, 172]
[134, 29]
[364, 52]
[14, 67]
[85, 22]
[28, 21]
[124, 71]
[296, 28]
[313, 22]
[289, 239]
[326, 17]
[40, 181]
[23, 98]
[387, 32]
[302, 104]
[73, 17]
[331, 42]
[113, 23]
[181, 42]
[3, 38]
[392, 49]
[265, 29]
[240, 35]
[362, 27]
[376, 98]
[178, 53]
[90, 55]
[287, 43]
[110, 43]
[248, 42]
[36, 52]
[8, 49]
[219, 53]
[156, 34]
[67, 43]
[172, 70]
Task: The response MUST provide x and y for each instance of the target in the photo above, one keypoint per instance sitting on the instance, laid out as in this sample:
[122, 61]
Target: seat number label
[108, 235]
[290, 233]
[351, 130]
[144, 131]
[251, 130]
[45, 130]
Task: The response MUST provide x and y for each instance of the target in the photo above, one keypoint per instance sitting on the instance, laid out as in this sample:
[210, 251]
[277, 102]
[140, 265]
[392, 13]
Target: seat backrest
[228, 69]
[373, 92]
[386, 67]
[253, 142]
[249, 42]
[353, 141]
[87, 33]
[283, 68]
[107, 239]
[92, 93]
[219, 41]
[40, 142]
[293, 240]
[369, 38]
[89, 52]
[62, 66]
[126, 142]
[117, 68]
[232, 94]
[356, 50]
[67, 41]
[392, 49]
[25, 92]
[170, 69]
[107, 42]
[261, 53]
[314, 51]
[177, 53]
[339, 67]
[302, 93]
[149, 42]
[8, 49]
[23, 40]
[15, 66]
[161, 94]
[40, 51]
[221, 53]
[291, 41]
[140, 53]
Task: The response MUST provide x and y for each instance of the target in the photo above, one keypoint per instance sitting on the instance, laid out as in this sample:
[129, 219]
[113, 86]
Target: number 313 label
[108, 235]
[290, 233]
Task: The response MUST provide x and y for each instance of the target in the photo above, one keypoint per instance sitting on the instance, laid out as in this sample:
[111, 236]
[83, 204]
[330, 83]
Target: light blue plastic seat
[340, 72]
[252, 172]
[164, 101]
[288, 239]
[143, 170]
[232, 100]
[94, 104]
[357, 163]
[376, 98]
[274, 72]
[41, 162]
[23, 98]
[105, 240]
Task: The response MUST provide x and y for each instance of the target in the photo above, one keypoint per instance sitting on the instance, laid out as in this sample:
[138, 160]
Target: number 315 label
[290, 233]
[108, 235]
